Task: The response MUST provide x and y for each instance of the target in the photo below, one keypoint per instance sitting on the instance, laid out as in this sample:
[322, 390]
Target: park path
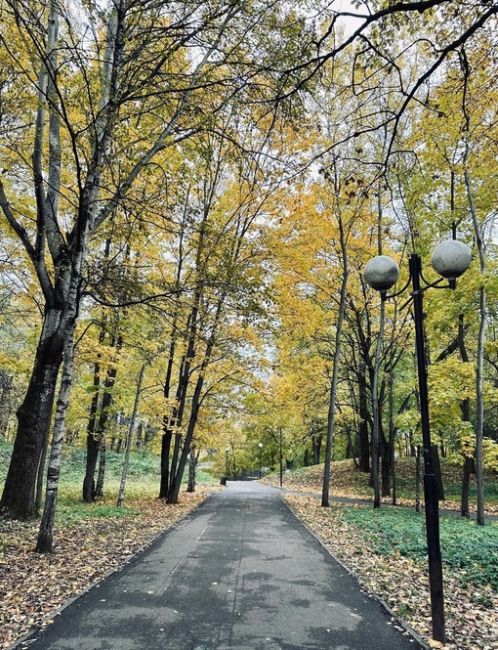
[240, 573]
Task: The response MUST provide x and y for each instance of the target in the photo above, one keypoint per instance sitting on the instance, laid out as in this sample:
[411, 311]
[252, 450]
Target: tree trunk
[175, 419]
[6, 381]
[376, 409]
[103, 420]
[386, 467]
[191, 470]
[481, 342]
[41, 476]
[138, 439]
[176, 479]
[280, 458]
[92, 443]
[392, 436]
[317, 447]
[466, 473]
[479, 460]
[44, 542]
[165, 449]
[99, 489]
[92, 453]
[174, 461]
[465, 408]
[34, 418]
[363, 424]
[149, 435]
[335, 370]
[417, 479]
[129, 437]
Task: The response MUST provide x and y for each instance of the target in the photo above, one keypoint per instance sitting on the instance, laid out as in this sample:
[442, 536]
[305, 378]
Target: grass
[346, 479]
[471, 549]
[142, 482]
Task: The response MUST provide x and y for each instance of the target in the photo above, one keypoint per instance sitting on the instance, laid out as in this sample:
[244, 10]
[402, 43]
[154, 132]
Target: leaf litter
[471, 612]
[32, 586]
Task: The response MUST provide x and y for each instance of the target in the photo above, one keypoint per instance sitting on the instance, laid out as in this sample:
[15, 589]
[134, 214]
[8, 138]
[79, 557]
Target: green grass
[5, 451]
[452, 481]
[465, 546]
[70, 511]
[142, 482]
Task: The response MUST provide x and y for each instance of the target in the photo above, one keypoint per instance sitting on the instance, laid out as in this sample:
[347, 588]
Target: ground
[387, 550]
[380, 546]
[90, 539]
[241, 573]
[348, 481]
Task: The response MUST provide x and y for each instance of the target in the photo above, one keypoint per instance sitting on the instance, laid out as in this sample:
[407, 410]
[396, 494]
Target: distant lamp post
[227, 451]
[450, 259]
[260, 445]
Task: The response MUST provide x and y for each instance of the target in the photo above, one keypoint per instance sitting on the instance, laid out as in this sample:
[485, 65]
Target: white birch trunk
[129, 438]
[45, 534]
[481, 342]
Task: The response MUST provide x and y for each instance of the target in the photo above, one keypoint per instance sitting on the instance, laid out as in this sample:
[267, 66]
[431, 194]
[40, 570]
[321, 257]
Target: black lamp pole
[260, 461]
[430, 481]
[450, 260]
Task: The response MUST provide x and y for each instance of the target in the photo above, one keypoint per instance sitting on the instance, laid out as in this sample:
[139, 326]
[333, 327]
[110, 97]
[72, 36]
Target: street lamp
[450, 259]
[227, 451]
[260, 445]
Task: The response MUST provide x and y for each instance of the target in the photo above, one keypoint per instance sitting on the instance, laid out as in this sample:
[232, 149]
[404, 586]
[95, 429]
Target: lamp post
[260, 445]
[450, 259]
[227, 450]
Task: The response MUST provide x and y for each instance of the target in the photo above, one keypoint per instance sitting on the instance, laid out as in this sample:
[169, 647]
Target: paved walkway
[241, 573]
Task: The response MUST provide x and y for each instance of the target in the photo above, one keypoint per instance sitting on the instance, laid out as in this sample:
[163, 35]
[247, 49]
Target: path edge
[23, 642]
[401, 622]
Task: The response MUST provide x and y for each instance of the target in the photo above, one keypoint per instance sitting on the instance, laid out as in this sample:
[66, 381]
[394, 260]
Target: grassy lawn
[471, 549]
[142, 482]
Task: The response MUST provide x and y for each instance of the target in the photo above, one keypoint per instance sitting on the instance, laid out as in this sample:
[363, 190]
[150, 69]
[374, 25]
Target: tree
[84, 163]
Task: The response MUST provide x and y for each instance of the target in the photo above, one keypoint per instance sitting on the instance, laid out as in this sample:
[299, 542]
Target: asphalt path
[240, 573]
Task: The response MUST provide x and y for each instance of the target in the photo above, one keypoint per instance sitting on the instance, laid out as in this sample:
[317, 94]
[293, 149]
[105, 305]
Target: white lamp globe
[451, 258]
[381, 273]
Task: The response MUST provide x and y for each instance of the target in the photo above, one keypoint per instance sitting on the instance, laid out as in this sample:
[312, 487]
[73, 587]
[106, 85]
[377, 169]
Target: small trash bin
[223, 480]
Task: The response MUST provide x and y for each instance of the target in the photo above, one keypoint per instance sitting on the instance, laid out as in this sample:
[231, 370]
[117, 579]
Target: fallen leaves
[472, 620]
[347, 481]
[32, 585]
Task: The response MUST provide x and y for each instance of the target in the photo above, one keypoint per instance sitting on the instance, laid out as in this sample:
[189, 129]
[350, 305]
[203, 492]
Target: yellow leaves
[408, 421]
[452, 378]
[14, 362]
[467, 440]
[490, 454]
